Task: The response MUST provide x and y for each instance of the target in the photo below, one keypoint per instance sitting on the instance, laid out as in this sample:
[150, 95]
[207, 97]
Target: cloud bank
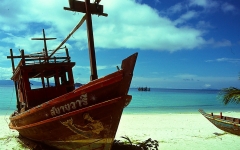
[130, 24]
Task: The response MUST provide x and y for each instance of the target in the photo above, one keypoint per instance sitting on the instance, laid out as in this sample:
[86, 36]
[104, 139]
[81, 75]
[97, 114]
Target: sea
[164, 101]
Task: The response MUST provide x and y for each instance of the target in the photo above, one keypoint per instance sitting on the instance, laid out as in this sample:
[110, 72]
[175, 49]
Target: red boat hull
[94, 126]
[86, 118]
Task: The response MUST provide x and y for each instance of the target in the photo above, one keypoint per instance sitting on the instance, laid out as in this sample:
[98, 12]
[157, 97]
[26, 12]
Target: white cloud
[157, 2]
[231, 60]
[207, 85]
[226, 7]
[176, 8]
[99, 67]
[5, 73]
[223, 43]
[129, 25]
[204, 3]
[201, 82]
[204, 25]
[3, 57]
[185, 17]
[183, 76]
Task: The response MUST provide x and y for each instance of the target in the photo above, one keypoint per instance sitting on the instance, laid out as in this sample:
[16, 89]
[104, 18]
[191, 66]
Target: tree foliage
[149, 144]
[230, 95]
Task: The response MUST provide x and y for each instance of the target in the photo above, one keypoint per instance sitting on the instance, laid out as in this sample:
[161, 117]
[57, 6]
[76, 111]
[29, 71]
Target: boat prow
[225, 123]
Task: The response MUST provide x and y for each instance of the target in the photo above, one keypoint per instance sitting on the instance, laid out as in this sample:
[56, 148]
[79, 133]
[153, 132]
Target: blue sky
[181, 44]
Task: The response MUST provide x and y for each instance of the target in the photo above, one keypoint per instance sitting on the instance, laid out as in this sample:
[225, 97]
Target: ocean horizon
[158, 100]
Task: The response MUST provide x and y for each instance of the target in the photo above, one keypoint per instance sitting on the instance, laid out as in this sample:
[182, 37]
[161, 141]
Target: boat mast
[89, 9]
[91, 42]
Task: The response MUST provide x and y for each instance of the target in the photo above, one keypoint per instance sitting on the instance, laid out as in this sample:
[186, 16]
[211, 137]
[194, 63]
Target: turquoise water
[7, 99]
[155, 101]
[177, 101]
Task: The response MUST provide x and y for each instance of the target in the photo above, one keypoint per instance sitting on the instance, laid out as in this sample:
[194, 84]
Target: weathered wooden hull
[86, 118]
[80, 98]
[88, 128]
[228, 124]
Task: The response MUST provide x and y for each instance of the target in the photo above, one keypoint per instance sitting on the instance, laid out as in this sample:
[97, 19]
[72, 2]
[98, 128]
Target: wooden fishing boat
[56, 113]
[228, 124]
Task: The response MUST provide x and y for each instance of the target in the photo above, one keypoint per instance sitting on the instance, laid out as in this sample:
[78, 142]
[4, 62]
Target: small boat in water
[143, 89]
[59, 114]
[228, 124]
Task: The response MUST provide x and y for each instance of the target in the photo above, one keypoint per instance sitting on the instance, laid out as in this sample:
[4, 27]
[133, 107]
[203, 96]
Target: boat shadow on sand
[126, 144]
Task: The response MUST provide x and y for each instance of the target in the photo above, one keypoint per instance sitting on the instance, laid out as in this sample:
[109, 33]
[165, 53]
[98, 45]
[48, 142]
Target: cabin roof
[41, 70]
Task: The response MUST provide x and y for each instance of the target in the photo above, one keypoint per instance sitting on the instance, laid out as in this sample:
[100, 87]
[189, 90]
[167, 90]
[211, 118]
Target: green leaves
[230, 95]
[149, 144]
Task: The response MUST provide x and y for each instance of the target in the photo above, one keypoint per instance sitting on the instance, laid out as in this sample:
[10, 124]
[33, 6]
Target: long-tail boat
[225, 123]
[57, 114]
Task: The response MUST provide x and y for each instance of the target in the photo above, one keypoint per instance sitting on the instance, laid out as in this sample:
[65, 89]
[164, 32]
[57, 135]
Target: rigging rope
[78, 25]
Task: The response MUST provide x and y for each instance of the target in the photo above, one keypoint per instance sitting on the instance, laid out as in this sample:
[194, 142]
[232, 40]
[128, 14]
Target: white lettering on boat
[70, 106]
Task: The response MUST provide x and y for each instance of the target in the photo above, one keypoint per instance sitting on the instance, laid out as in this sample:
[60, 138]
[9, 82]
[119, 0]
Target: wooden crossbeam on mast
[45, 42]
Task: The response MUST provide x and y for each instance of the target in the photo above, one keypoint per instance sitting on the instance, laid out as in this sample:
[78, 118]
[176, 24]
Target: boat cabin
[54, 75]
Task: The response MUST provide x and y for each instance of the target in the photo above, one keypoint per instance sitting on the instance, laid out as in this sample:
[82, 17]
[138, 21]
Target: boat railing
[39, 58]
[231, 119]
[42, 60]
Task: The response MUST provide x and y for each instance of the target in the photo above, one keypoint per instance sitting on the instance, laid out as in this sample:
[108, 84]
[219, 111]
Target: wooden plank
[36, 57]
[79, 6]
[43, 38]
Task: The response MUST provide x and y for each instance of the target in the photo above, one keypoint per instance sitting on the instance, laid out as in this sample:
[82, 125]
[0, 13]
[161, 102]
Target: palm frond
[230, 95]
[129, 145]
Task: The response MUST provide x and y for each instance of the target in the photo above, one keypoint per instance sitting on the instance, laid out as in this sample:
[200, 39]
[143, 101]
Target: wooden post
[70, 76]
[45, 44]
[91, 42]
[15, 83]
[56, 78]
[45, 58]
[221, 115]
[63, 78]
[43, 82]
[67, 54]
[48, 85]
[23, 58]
[45, 54]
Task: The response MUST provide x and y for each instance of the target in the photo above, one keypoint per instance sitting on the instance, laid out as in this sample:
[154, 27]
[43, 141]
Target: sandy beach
[172, 131]
[8, 138]
[178, 131]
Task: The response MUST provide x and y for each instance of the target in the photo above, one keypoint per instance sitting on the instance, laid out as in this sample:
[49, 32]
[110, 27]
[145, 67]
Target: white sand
[172, 131]
[8, 137]
[178, 131]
